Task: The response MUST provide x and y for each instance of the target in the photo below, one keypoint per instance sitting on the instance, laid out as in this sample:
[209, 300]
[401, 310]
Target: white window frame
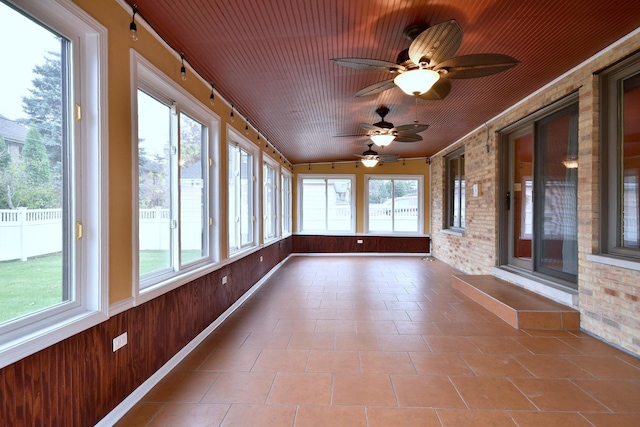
[89, 187]
[352, 204]
[419, 206]
[145, 75]
[286, 205]
[273, 211]
[235, 138]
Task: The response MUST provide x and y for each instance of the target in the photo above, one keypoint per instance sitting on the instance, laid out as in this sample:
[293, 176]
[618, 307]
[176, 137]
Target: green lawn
[29, 286]
[36, 284]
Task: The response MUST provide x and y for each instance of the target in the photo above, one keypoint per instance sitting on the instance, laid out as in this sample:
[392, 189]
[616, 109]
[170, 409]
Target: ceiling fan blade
[369, 64]
[476, 65]
[388, 158]
[438, 92]
[412, 128]
[376, 88]
[356, 135]
[372, 128]
[436, 43]
[411, 137]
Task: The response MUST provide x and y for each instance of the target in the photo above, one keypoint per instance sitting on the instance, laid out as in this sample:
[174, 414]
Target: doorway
[540, 183]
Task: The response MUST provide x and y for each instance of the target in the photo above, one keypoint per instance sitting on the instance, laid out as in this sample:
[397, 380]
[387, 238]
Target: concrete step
[519, 307]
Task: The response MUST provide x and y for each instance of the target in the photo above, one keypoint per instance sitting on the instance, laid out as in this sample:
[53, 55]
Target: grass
[29, 286]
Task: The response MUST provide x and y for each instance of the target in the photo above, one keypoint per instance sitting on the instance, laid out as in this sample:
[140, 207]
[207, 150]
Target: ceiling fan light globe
[369, 161]
[416, 82]
[383, 140]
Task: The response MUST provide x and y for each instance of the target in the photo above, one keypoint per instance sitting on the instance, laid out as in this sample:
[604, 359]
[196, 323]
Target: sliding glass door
[541, 195]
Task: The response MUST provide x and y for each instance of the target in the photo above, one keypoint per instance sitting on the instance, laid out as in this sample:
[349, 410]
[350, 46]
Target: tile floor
[386, 341]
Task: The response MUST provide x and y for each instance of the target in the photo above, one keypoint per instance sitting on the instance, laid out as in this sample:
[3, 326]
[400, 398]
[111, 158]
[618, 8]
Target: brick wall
[609, 296]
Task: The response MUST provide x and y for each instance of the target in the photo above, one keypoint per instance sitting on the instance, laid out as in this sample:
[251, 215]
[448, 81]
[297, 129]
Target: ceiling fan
[383, 133]
[426, 67]
[370, 157]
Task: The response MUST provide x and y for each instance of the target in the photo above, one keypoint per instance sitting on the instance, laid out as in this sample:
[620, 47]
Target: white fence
[26, 233]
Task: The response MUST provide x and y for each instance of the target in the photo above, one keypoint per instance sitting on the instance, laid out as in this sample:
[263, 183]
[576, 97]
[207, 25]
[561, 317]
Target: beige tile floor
[386, 341]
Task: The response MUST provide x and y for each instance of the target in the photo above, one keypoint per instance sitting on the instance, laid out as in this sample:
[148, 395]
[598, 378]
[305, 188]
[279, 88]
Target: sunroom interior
[199, 225]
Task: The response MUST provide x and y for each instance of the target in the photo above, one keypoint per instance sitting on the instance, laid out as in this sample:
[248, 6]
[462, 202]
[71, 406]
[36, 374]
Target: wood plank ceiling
[271, 59]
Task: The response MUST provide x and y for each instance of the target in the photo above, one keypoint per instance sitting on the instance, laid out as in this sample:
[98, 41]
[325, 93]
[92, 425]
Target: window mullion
[174, 197]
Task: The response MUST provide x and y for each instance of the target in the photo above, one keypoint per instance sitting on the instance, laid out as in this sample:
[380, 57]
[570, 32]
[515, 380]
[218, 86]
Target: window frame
[145, 76]
[88, 186]
[286, 202]
[449, 203]
[235, 138]
[326, 178]
[611, 80]
[273, 211]
[419, 205]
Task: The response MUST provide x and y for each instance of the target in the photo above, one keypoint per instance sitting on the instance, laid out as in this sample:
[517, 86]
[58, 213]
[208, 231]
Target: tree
[379, 191]
[44, 105]
[5, 176]
[191, 133]
[32, 176]
[35, 159]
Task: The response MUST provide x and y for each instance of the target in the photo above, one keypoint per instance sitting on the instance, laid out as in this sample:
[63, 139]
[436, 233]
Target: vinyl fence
[26, 233]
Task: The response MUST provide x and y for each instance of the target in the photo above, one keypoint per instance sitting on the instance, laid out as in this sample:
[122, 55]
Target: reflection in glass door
[520, 198]
[541, 196]
[556, 185]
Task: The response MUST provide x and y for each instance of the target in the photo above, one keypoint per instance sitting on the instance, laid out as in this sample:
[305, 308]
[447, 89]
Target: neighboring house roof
[12, 131]
[192, 172]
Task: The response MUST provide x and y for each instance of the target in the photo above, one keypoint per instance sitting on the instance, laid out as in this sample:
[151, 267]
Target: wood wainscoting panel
[349, 244]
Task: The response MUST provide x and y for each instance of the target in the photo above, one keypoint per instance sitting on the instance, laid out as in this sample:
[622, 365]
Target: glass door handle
[508, 200]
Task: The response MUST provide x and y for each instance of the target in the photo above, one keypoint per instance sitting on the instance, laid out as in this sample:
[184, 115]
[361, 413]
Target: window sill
[453, 231]
[614, 261]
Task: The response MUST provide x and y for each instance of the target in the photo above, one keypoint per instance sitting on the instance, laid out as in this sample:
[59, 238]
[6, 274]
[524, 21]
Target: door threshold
[547, 288]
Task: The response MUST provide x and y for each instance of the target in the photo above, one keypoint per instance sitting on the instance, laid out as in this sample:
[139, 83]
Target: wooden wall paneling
[123, 380]
[348, 244]
[62, 363]
[9, 391]
[177, 319]
[3, 403]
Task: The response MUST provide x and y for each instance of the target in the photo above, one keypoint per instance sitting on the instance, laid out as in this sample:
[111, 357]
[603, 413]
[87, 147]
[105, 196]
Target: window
[242, 182]
[286, 199]
[621, 158]
[455, 190]
[394, 204]
[269, 198]
[327, 203]
[53, 167]
[175, 136]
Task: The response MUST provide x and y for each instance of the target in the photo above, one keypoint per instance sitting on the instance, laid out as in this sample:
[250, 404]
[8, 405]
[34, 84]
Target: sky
[23, 45]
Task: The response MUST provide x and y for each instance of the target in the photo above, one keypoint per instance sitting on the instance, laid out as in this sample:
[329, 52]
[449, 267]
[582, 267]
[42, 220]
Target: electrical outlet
[119, 341]
[224, 280]
[359, 241]
[260, 258]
